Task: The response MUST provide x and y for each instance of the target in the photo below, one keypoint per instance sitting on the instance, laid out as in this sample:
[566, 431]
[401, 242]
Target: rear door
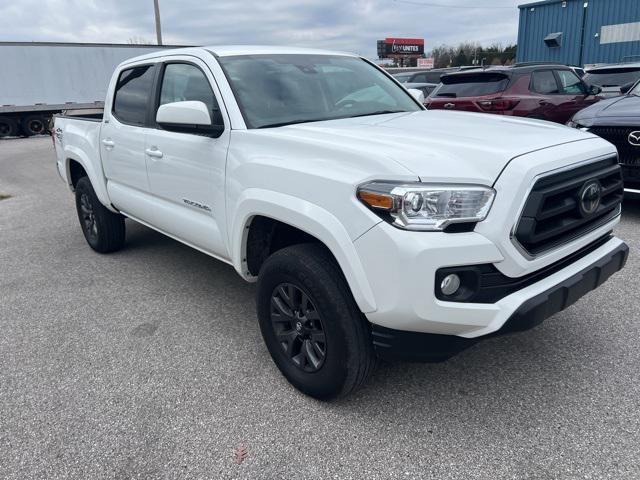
[122, 136]
[186, 169]
[547, 99]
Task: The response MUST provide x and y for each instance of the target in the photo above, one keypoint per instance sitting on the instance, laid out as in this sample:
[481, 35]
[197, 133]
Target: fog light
[450, 284]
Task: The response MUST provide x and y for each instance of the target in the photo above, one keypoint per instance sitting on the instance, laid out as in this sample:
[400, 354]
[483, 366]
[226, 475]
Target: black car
[613, 79]
[618, 121]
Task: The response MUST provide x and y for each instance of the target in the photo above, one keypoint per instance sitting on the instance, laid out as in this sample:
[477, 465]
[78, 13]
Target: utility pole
[158, 27]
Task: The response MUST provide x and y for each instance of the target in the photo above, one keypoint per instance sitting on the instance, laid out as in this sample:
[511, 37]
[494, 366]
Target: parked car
[425, 88]
[424, 76]
[542, 91]
[374, 228]
[618, 121]
[615, 79]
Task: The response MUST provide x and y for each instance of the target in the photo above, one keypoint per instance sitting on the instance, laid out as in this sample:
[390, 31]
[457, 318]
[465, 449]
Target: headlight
[427, 207]
[573, 124]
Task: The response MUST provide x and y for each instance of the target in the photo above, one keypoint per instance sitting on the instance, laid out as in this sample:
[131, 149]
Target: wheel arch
[77, 161]
[264, 209]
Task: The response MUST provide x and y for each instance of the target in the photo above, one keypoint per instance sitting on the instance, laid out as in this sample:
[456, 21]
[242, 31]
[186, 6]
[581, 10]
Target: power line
[441, 5]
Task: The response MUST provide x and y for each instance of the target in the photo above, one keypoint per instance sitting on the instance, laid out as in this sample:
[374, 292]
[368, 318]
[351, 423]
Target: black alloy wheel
[298, 327]
[89, 224]
[104, 230]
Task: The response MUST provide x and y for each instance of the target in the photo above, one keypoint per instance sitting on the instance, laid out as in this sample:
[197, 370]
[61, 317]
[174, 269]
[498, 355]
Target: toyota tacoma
[373, 227]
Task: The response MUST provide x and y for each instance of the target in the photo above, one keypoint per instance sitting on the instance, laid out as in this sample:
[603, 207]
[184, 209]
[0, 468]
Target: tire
[330, 318]
[103, 229]
[33, 125]
[8, 127]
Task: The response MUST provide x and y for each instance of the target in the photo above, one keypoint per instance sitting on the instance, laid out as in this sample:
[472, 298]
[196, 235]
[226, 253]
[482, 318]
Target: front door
[575, 93]
[187, 170]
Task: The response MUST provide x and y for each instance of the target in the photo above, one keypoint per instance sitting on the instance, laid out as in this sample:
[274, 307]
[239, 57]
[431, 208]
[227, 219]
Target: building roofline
[540, 3]
[71, 44]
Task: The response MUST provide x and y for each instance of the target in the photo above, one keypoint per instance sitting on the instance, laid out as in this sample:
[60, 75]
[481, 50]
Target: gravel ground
[148, 363]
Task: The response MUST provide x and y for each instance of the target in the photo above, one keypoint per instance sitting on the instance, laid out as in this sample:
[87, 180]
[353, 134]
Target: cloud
[348, 25]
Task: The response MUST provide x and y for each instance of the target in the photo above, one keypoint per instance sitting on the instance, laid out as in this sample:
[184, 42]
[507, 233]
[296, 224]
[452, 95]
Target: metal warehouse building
[579, 32]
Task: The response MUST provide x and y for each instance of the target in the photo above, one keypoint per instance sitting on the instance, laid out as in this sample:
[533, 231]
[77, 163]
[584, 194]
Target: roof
[525, 68]
[606, 66]
[541, 3]
[233, 50]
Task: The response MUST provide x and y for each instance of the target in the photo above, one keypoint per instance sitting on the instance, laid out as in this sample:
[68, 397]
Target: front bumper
[401, 268]
[413, 346]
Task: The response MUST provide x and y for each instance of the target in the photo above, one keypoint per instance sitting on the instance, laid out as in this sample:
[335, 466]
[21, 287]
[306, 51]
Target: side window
[544, 81]
[570, 84]
[183, 82]
[419, 78]
[132, 94]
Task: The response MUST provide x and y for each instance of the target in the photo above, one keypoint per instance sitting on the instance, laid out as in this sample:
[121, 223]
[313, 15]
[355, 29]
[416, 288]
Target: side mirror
[594, 90]
[187, 117]
[624, 89]
[417, 94]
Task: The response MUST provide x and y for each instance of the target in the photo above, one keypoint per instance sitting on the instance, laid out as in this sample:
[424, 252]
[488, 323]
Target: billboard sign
[391, 47]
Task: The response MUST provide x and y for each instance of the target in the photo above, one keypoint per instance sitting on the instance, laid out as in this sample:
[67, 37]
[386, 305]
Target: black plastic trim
[490, 285]
[392, 344]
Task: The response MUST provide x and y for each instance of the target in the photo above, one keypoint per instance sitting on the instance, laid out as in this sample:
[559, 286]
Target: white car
[373, 227]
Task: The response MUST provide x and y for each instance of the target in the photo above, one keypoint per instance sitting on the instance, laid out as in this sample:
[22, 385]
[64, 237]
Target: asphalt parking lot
[148, 363]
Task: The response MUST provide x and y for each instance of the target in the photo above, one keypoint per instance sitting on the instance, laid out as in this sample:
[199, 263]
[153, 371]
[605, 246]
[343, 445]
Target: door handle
[153, 152]
[108, 143]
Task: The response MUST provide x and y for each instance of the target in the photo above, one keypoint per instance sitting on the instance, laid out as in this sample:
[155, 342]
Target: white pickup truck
[374, 228]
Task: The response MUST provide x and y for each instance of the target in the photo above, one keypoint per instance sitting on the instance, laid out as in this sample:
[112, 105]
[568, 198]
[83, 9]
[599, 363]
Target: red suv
[543, 91]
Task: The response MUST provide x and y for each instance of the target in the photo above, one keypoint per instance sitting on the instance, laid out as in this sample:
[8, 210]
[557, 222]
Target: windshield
[403, 77]
[471, 85]
[276, 90]
[612, 77]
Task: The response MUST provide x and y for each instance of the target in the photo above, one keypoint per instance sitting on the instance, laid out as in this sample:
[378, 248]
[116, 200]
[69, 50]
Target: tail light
[498, 104]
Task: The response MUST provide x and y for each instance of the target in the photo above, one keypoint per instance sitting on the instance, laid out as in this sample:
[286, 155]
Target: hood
[438, 144]
[625, 107]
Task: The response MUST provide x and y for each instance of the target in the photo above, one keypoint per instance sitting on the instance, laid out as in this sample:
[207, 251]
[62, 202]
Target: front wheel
[314, 331]
[103, 229]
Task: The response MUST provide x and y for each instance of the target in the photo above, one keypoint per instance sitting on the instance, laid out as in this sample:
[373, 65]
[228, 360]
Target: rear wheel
[103, 229]
[8, 127]
[314, 331]
[34, 125]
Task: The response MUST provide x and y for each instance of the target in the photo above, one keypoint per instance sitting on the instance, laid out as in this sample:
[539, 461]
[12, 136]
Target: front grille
[552, 214]
[629, 155]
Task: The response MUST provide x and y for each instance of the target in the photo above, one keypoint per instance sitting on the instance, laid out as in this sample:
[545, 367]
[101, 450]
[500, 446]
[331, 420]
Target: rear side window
[472, 85]
[429, 77]
[132, 94]
[184, 82]
[612, 77]
[570, 84]
[544, 82]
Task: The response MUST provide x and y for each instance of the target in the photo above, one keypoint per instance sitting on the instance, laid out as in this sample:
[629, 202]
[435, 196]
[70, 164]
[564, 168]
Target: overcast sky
[348, 25]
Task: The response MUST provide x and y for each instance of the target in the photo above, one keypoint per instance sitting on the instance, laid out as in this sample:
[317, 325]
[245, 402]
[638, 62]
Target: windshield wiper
[378, 112]
[291, 122]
